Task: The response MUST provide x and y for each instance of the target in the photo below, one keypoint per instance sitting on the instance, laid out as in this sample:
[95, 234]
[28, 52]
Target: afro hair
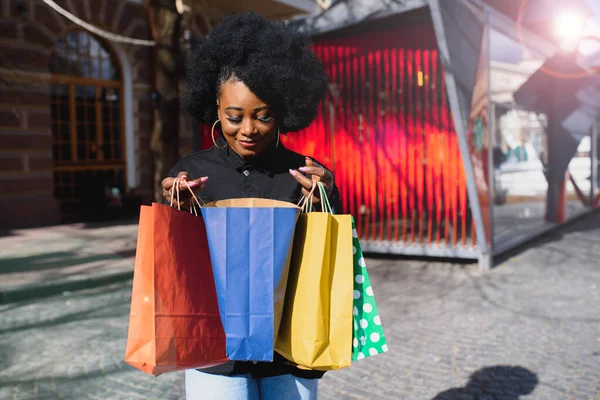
[275, 63]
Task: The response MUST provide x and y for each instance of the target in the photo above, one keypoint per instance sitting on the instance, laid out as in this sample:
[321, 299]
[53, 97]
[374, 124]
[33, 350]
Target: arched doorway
[88, 140]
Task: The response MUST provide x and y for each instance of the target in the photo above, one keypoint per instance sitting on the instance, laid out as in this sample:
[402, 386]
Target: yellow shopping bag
[316, 328]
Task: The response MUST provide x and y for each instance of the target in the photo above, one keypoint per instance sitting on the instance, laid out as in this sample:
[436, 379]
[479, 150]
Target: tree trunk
[165, 23]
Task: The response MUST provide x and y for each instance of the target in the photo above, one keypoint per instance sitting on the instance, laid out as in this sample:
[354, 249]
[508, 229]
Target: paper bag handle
[306, 202]
[325, 204]
[196, 199]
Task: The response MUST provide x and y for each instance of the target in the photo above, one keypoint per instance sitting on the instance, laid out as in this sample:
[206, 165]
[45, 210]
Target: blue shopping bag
[250, 242]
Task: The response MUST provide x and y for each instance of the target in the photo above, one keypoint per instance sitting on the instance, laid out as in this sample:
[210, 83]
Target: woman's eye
[234, 120]
[266, 120]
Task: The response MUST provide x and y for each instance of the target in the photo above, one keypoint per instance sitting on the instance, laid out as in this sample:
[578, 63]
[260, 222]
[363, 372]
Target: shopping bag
[174, 321]
[250, 244]
[368, 338]
[316, 329]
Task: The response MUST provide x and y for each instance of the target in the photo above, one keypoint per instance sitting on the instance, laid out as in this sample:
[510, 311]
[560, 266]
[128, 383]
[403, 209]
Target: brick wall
[26, 182]
[26, 41]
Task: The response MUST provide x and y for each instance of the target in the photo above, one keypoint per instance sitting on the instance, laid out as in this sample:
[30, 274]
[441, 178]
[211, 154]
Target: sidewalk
[44, 261]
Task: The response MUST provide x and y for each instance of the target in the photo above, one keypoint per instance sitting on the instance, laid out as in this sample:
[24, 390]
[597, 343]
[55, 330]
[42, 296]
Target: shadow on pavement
[46, 261]
[6, 356]
[442, 283]
[117, 307]
[459, 262]
[112, 223]
[506, 382]
[54, 381]
[588, 222]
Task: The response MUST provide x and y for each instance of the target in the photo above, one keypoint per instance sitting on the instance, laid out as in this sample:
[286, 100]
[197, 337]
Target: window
[87, 108]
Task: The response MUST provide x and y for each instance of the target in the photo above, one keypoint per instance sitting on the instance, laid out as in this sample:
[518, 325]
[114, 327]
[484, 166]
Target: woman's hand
[184, 193]
[317, 173]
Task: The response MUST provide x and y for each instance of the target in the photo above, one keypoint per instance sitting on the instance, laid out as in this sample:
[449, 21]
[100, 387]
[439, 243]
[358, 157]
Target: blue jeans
[201, 386]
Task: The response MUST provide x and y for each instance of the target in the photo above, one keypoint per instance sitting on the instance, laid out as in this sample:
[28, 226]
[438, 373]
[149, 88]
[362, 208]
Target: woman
[252, 80]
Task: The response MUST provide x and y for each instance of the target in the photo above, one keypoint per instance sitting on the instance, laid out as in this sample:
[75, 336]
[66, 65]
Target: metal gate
[386, 131]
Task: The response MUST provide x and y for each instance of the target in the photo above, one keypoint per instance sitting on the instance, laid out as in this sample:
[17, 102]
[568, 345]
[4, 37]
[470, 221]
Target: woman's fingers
[167, 183]
[199, 183]
[314, 168]
[195, 185]
[319, 173]
[184, 187]
[307, 185]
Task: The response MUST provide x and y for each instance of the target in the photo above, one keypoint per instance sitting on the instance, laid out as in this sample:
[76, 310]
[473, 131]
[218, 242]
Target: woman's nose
[247, 127]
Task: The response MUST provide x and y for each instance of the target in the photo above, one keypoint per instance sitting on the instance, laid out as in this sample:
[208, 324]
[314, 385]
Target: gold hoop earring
[278, 134]
[212, 135]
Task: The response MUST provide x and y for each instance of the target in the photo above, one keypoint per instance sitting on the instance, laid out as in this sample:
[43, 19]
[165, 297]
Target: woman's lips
[247, 144]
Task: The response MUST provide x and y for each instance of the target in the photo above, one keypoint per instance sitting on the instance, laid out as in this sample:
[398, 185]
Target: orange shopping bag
[174, 322]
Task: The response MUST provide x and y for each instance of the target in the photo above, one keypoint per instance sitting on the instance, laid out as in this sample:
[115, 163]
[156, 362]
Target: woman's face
[247, 122]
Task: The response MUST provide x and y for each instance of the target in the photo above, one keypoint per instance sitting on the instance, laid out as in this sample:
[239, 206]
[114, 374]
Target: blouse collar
[268, 161]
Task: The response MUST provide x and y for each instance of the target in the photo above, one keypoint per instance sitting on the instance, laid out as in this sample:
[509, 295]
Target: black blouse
[231, 176]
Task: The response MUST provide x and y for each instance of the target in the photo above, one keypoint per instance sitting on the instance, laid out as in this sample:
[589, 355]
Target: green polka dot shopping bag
[368, 338]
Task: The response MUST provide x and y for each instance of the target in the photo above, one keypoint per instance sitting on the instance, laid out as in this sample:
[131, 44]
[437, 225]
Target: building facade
[76, 111]
[74, 108]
